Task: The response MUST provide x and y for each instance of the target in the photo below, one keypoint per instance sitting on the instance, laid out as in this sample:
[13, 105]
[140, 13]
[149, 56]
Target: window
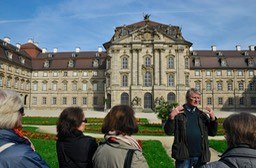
[253, 100]
[229, 73]
[54, 86]
[55, 74]
[21, 85]
[71, 63]
[147, 79]
[125, 81]
[64, 100]
[95, 73]
[218, 73]
[171, 97]
[220, 101]
[252, 86]
[84, 86]
[240, 73]
[208, 73]
[197, 62]
[16, 83]
[223, 62]
[65, 86]
[197, 73]
[74, 86]
[241, 101]
[208, 86]
[35, 74]
[219, 86]
[84, 100]
[74, 73]
[45, 74]
[85, 73]
[241, 86]
[170, 80]
[230, 86]
[124, 99]
[44, 88]
[125, 63]
[230, 101]
[1, 81]
[73, 100]
[34, 100]
[65, 73]
[95, 100]
[34, 86]
[9, 82]
[95, 86]
[54, 100]
[170, 63]
[186, 63]
[198, 85]
[187, 80]
[209, 100]
[148, 62]
[251, 73]
[44, 100]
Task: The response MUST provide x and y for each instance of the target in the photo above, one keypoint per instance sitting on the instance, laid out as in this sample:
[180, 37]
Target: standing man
[191, 128]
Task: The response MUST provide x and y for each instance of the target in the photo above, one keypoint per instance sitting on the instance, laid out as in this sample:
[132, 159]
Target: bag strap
[227, 163]
[5, 146]
[128, 158]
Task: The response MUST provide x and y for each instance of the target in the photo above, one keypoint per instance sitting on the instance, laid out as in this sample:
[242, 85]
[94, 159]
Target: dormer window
[250, 62]
[197, 62]
[9, 55]
[71, 63]
[50, 55]
[223, 62]
[246, 53]
[73, 55]
[220, 53]
[46, 64]
[95, 63]
[22, 60]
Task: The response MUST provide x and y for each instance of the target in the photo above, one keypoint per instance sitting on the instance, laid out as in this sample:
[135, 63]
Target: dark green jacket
[178, 127]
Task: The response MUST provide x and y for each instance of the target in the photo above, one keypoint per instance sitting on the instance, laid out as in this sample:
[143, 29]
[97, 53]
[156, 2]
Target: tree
[163, 109]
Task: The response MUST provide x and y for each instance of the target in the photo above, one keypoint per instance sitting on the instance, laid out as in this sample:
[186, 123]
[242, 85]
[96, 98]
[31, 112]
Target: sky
[88, 24]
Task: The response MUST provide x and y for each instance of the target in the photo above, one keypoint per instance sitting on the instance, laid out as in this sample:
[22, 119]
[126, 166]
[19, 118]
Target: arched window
[170, 63]
[147, 79]
[171, 97]
[124, 99]
[147, 61]
[147, 100]
[125, 63]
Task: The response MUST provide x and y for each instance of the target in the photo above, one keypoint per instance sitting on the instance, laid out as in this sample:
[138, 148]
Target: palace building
[142, 63]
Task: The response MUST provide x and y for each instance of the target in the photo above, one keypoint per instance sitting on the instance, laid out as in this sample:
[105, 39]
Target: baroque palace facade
[142, 63]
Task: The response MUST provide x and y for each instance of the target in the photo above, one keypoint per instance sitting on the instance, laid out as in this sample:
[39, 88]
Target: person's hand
[210, 112]
[175, 111]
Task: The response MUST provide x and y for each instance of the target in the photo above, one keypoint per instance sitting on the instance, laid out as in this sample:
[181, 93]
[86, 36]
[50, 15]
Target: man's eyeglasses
[21, 110]
[85, 120]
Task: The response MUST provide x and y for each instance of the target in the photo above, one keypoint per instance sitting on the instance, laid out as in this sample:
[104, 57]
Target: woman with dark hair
[240, 133]
[74, 149]
[118, 126]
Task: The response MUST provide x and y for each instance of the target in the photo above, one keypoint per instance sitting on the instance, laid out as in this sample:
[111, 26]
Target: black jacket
[178, 127]
[76, 151]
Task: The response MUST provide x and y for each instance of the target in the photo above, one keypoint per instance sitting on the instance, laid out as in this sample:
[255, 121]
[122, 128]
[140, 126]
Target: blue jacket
[19, 155]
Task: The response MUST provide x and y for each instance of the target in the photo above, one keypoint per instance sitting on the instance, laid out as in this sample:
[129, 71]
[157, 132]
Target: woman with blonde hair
[16, 150]
[119, 149]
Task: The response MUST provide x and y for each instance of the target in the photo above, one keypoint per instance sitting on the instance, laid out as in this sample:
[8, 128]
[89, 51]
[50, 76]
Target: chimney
[30, 40]
[78, 49]
[7, 40]
[44, 50]
[238, 48]
[99, 49]
[55, 50]
[214, 48]
[251, 48]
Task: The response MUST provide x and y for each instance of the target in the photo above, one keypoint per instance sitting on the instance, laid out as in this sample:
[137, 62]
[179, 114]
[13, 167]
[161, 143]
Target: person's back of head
[120, 119]
[10, 106]
[240, 129]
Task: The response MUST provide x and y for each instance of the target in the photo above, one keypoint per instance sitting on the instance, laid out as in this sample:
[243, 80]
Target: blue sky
[67, 24]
